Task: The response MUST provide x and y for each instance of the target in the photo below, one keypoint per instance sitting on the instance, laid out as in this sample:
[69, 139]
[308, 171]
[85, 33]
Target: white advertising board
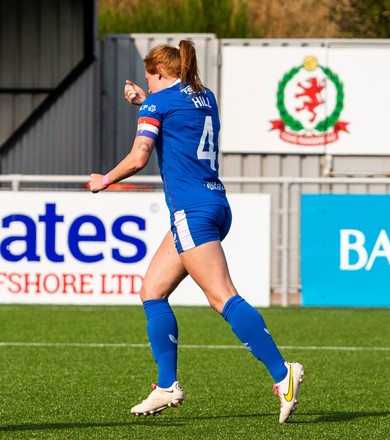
[323, 100]
[79, 248]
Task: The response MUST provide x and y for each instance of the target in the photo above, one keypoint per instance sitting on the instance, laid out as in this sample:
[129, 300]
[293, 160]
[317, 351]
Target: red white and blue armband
[148, 127]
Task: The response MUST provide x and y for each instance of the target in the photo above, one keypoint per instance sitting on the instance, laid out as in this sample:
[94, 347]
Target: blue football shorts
[199, 225]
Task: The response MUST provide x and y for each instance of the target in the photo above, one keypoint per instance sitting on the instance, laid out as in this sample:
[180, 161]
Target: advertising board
[325, 99]
[345, 250]
[80, 248]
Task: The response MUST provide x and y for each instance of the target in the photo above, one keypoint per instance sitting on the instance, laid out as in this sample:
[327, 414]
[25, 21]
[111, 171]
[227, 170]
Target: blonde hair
[178, 61]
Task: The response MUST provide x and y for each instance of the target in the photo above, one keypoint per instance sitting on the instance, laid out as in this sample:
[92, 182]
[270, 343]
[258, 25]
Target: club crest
[310, 99]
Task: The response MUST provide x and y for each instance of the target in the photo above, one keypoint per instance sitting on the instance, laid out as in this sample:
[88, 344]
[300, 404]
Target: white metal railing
[17, 179]
[284, 209]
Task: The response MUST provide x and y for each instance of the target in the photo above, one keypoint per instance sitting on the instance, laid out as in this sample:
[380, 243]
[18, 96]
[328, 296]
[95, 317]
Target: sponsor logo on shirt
[152, 108]
[215, 186]
[187, 90]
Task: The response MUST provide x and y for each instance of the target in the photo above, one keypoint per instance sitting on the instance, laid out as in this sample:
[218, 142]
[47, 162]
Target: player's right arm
[147, 132]
[130, 165]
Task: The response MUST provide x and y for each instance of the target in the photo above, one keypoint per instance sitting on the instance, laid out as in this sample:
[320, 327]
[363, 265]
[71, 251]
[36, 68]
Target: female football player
[179, 119]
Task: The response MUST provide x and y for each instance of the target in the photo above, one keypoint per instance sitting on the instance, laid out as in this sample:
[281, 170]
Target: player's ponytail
[177, 61]
[189, 72]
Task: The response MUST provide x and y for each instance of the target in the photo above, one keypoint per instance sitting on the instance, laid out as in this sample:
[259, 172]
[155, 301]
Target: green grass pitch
[73, 372]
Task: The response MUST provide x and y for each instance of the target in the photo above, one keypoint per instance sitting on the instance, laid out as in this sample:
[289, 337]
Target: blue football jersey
[185, 127]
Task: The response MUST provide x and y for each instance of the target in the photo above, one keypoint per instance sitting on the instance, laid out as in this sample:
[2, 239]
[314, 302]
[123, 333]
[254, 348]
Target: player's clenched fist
[133, 93]
[96, 183]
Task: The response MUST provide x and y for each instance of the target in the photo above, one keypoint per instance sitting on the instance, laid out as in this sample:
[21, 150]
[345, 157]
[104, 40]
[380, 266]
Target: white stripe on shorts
[183, 231]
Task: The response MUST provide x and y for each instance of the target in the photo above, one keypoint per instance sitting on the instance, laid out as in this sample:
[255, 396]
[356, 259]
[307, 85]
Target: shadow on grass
[343, 416]
[55, 426]
[334, 416]
[340, 416]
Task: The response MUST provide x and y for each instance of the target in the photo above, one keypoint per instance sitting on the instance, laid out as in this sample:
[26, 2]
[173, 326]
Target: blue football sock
[249, 326]
[163, 335]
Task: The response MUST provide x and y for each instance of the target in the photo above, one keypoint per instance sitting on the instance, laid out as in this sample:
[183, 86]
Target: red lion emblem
[313, 92]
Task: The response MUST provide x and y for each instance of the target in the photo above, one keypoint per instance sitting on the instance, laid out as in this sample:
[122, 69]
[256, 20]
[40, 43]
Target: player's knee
[146, 294]
[217, 304]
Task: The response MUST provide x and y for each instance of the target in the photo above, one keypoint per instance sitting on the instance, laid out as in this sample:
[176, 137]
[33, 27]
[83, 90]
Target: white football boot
[160, 399]
[288, 389]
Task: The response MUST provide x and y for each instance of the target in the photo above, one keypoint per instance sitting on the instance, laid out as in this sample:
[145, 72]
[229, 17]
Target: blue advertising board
[345, 250]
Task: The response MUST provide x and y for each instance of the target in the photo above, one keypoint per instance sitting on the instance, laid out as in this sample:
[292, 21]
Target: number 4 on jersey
[209, 154]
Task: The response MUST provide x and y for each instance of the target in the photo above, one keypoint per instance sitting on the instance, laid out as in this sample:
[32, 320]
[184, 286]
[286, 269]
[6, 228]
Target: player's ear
[158, 70]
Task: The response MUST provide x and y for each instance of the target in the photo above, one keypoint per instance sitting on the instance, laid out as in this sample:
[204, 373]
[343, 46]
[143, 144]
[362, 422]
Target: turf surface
[69, 372]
